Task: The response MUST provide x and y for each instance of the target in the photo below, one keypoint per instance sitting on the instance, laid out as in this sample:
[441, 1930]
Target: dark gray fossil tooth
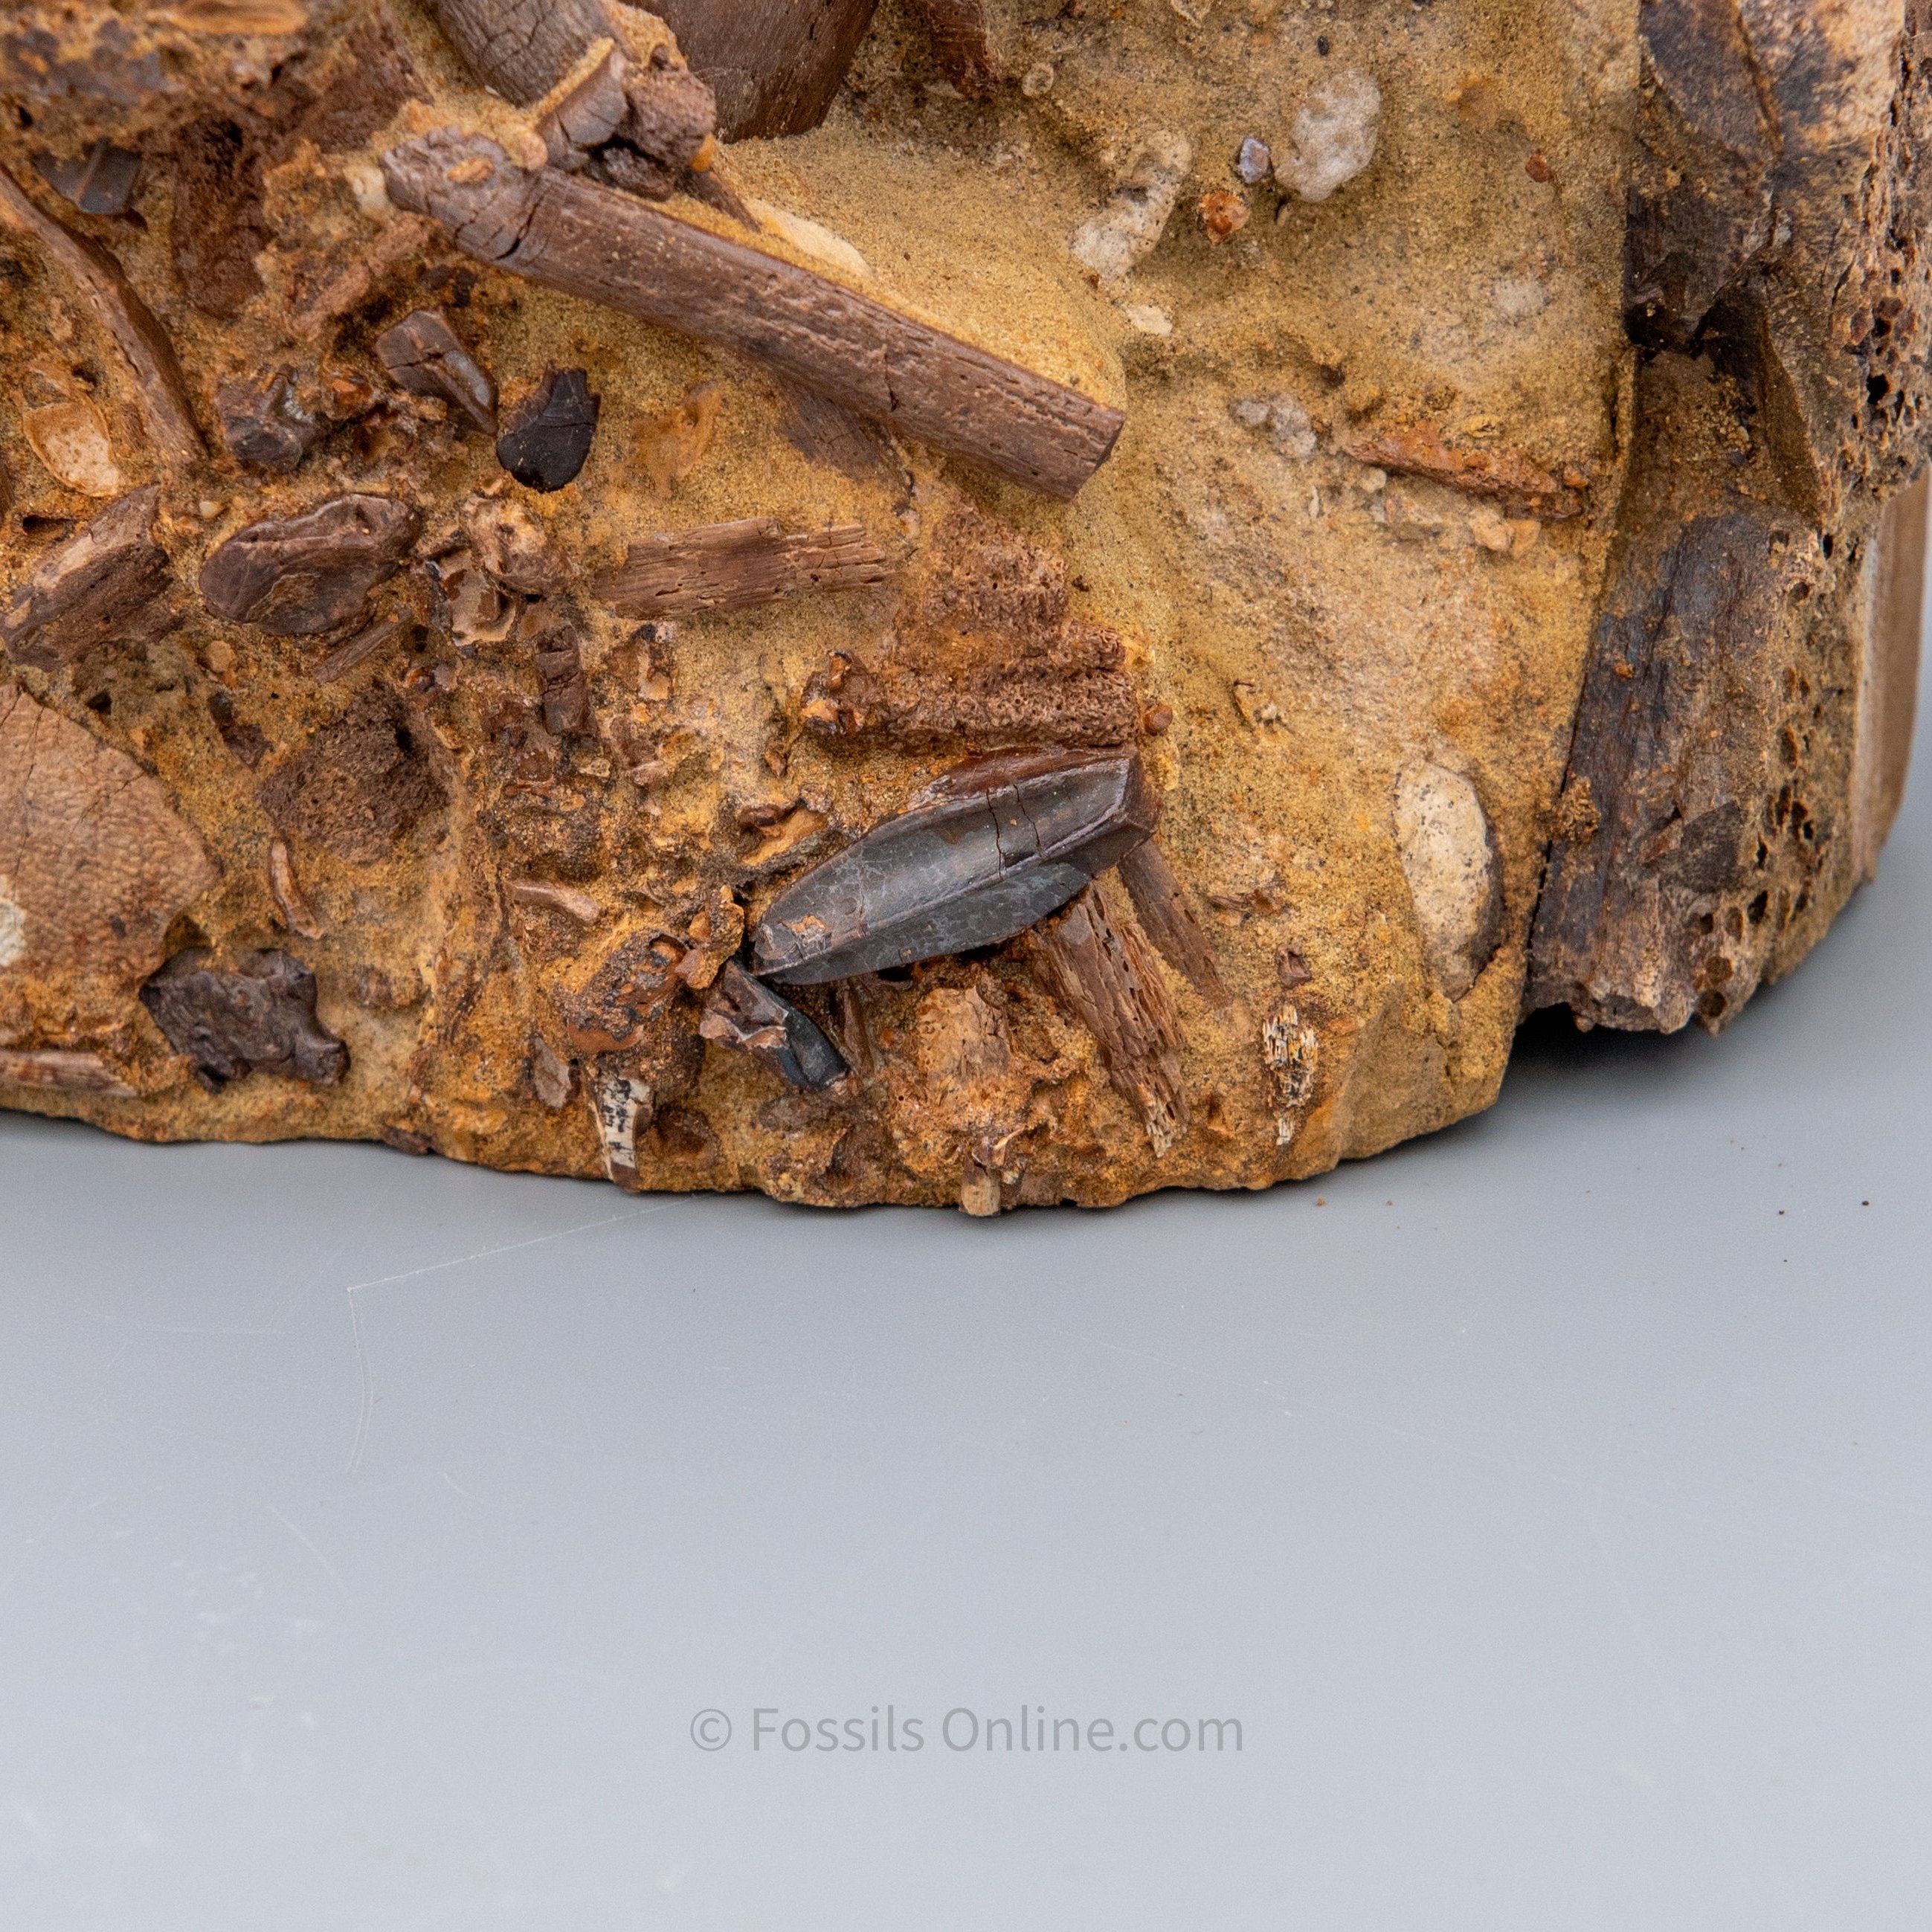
[741, 1013]
[991, 847]
[546, 438]
[101, 181]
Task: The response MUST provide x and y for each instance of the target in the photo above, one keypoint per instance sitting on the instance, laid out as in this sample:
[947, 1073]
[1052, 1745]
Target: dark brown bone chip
[424, 355]
[739, 1013]
[358, 785]
[566, 693]
[262, 423]
[992, 846]
[101, 181]
[546, 438]
[105, 582]
[298, 575]
[258, 1019]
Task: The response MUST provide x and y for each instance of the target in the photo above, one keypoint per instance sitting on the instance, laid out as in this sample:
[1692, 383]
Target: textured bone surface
[1057, 601]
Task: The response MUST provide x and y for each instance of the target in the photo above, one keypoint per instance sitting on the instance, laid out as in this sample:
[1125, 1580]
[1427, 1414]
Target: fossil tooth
[547, 437]
[992, 846]
[741, 1013]
[423, 354]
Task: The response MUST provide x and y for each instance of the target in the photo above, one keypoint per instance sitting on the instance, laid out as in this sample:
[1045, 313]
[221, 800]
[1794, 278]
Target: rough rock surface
[941, 601]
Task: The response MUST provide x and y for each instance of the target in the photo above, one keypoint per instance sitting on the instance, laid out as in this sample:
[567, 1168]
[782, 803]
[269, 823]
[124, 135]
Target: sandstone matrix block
[951, 602]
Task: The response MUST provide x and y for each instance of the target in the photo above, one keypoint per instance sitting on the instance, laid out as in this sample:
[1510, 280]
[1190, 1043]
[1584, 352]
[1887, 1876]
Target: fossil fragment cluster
[931, 601]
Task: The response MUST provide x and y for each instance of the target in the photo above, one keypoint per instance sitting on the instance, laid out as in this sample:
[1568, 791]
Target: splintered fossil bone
[142, 340]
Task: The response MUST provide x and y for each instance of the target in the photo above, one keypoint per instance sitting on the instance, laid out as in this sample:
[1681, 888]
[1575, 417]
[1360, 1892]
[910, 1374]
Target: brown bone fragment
[566, 692]
[341, 661]
[357, 786]
[1167, 917]
[105, 583]
[1504, 476]
[298, 575]
[1689, 835]
[258, 1017]
[729, 566]
[986, 850]
[1108, 976]
[961, 45]
[563, 231]
[94, 861]
[774, 65]
[108, 294]
[263, 424]
[297, 915]
[424, 355]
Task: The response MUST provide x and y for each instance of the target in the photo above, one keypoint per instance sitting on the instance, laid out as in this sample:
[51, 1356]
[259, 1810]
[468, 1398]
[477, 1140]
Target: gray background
[1550, 1506]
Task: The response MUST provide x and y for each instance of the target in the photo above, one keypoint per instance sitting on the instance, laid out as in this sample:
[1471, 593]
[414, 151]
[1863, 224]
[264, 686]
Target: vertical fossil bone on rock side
[1105, 973]
[1718, 806]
